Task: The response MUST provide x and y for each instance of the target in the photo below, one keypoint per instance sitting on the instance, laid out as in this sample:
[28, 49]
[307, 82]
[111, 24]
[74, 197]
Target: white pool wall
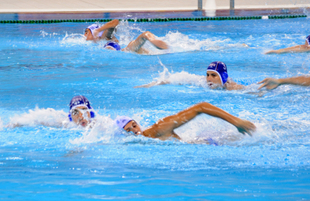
[41, 6]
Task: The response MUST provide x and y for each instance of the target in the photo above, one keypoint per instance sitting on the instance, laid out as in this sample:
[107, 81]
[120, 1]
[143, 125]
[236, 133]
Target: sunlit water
[44, 157]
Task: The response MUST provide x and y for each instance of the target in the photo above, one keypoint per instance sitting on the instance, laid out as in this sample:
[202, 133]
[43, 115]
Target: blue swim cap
[308, 39]
[77, 101]
[220, 68]
[114, 45]
[122, 121]
[93, 27]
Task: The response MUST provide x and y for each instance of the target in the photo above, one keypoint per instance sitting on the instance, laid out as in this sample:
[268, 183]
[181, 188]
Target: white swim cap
[122, 121]
[93, 27]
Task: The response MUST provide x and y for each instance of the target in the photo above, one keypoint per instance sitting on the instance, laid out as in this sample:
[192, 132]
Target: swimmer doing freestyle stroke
[163, 129]
[105, 32]
[298, 48]
[216, 77]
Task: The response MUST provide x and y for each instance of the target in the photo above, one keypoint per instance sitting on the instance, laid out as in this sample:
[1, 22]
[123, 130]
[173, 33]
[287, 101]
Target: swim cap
[93, 27]
[308, 39]
[77, 101]
[220, 68]
[122, 121]
[114, 45]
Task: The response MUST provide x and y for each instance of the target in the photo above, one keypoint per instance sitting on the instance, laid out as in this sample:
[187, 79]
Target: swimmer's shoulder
[232, 85]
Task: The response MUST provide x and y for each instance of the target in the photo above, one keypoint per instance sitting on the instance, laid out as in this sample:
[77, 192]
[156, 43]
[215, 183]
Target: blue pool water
[42, 157]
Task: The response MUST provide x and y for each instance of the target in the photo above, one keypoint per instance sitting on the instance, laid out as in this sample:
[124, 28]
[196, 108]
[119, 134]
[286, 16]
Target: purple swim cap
[308, 39]
[122, 121]
[93, 27]
[220, 68]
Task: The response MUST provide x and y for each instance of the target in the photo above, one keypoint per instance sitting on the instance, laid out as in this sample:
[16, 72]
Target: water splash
[178, 78]
[103, 130]
[37, 117]
[74, 39]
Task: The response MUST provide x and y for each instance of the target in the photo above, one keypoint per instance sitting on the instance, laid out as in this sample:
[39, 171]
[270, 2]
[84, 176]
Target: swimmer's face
[213, 79]
[80, 115]
[88, 35]
[110, 48]
[132, 126]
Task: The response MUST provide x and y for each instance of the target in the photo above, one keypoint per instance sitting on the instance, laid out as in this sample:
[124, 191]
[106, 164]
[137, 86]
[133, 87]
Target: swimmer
[81, 113]
[272, 83]
[164, 128]
[216, 77]
[96, 33]
[298, 48]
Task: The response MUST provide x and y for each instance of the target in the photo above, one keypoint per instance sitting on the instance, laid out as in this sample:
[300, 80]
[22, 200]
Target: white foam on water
[103, 129]
[37, 117]
[75, 39]
[179, 78]
[179, 42]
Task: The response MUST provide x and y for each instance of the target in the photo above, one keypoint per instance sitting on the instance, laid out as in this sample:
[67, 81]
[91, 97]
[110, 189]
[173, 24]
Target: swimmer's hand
[245, 126]
[269, 83]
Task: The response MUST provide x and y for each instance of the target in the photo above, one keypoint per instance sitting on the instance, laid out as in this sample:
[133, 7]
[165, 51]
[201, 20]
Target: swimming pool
[44, 65]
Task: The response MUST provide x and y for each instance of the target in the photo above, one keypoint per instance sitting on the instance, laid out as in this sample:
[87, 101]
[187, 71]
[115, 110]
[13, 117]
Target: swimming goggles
[76, 111]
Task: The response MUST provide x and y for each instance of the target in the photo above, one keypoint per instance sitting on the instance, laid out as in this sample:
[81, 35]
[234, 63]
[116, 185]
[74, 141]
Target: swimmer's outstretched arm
[154, 83]
[136, 45]
[108, 29]
[272, 83]
[298, 48]
[109, 25]
[165, 126]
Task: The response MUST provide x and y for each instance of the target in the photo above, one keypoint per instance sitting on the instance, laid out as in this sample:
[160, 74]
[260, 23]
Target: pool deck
[90, 9]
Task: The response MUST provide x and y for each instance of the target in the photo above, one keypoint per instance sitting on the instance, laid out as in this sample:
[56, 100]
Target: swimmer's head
[81, 112]
[89, 32]
[308, 40]
[128, 124]
[217, 74]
